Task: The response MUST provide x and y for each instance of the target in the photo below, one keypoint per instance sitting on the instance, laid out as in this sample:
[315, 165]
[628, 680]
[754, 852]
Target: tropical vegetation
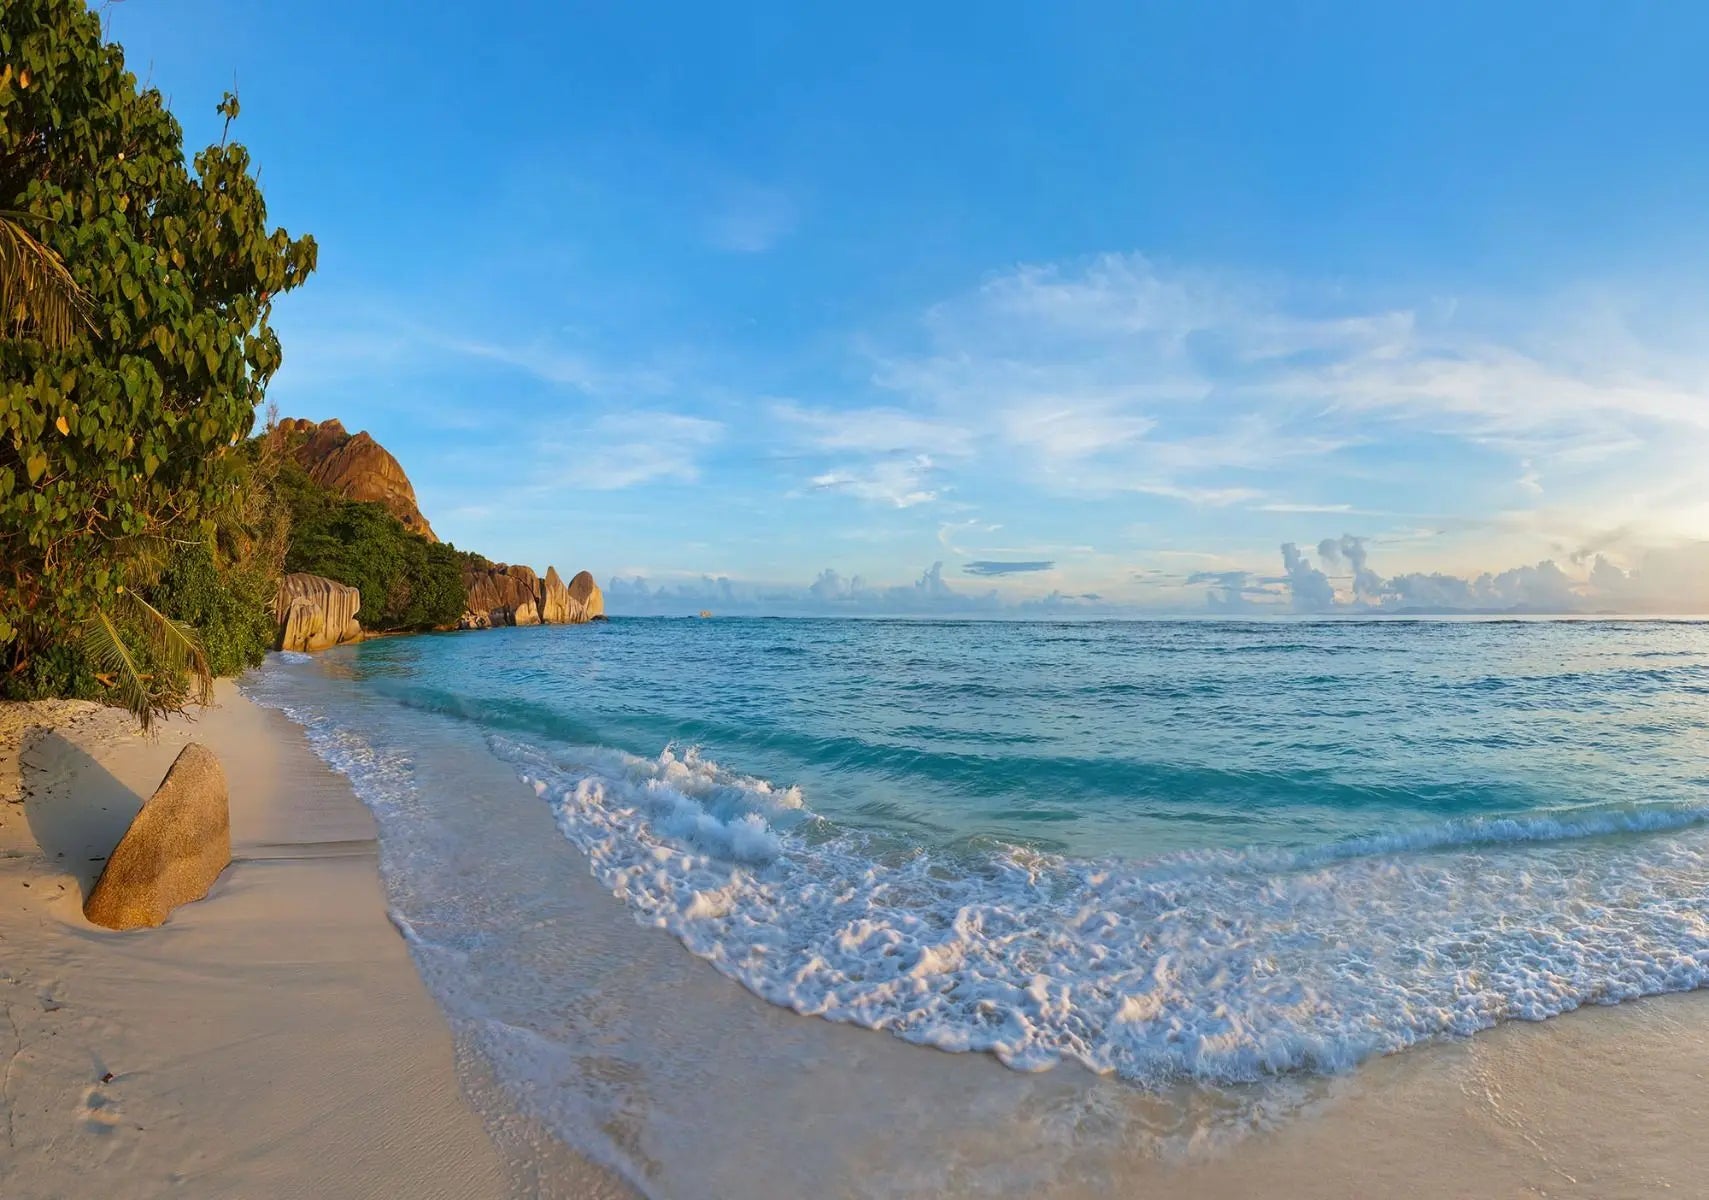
[139, 528]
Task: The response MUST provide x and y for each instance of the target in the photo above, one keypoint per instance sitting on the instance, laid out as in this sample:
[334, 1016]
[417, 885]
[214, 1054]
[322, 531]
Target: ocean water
[1207, 853]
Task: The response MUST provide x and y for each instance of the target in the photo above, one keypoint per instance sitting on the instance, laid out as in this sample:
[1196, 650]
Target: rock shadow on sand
[77, 811]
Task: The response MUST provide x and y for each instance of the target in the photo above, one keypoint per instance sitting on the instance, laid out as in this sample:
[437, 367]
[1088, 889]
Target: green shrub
[230, 608]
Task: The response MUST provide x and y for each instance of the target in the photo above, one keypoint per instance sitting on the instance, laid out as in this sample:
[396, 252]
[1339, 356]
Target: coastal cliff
[356, 522]
[355, 467]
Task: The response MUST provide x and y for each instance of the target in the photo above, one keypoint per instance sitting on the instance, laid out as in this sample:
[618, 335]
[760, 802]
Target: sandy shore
[272, 1040]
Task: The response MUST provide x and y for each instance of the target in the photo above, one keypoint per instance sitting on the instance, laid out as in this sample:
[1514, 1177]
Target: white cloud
[901, 481]
[874, 430]
[1528, 479]
[1673, 579]
[1116, 374]
[834, 594]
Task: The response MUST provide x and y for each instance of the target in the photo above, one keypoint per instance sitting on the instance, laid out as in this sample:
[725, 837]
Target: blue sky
[1030, 308]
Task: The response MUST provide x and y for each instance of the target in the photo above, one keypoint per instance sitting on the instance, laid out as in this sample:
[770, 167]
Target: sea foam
[1216, 965]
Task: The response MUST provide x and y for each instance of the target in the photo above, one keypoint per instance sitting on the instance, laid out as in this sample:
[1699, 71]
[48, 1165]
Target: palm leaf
[144, 558]
[104, 647]
[173, 649]
[35, 288]
[175, 646]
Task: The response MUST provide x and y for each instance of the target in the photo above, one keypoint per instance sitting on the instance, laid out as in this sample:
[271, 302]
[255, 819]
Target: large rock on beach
[555, 603]
[176, 847]
[315, 613]
[356, 467]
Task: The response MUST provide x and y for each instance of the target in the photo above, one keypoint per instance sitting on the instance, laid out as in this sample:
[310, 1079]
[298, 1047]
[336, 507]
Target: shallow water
[1176, 853]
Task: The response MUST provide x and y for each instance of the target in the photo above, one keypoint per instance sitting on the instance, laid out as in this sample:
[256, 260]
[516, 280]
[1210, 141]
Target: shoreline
[280, 1038]
[644, 1056]
[271, 1040]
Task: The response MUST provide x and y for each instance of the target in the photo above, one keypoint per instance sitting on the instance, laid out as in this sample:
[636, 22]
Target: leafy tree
[121, 441]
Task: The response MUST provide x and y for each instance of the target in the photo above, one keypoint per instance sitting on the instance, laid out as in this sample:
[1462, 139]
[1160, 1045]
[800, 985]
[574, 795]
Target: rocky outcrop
[588, 600]
[554, 599]
[315, 613]
[514, 595]
[356, 467]
[312, 616]
[176, 847]
[504, 595]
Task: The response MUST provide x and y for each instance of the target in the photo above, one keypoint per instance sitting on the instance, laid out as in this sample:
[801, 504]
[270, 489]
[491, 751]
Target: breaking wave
[1221, 965]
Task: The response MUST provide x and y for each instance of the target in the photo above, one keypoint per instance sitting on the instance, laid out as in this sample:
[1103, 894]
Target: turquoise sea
[1207, 851]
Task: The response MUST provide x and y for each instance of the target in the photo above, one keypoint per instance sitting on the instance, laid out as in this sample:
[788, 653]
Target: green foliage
[130, 431]
[407, 582]
[149, 662]
[229, 606]
[57, 671]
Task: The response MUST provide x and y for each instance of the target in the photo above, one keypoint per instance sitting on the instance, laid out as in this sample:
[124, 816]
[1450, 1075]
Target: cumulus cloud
[1309, 587]
[1664, 580]
[828, 594]
[834, 594]
[1351, 551]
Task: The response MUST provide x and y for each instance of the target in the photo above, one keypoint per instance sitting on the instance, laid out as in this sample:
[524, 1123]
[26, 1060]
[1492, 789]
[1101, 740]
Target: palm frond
[175, 646]
[143, 558]
[36, 291]
[171, 648]
[104, 647]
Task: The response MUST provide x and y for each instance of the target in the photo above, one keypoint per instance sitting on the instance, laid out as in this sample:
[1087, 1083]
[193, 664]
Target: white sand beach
[271, 1040]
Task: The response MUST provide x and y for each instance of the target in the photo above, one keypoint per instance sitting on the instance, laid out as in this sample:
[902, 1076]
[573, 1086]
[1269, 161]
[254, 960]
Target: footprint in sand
[99, 1112]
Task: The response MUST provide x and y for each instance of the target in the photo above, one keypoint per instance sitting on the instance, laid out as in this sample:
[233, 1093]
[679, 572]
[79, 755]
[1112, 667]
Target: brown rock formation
[504, 595]
[314, 613]
[355, 467]
[508, 595]
[176, 847]
[586, 596]
[555, 603]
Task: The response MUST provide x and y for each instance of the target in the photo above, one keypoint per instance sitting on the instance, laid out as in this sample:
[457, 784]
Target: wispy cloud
[901, 481]
[873, 430]
[992, 567]
[621, 450]
[1116, 374]
[1065, 403]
